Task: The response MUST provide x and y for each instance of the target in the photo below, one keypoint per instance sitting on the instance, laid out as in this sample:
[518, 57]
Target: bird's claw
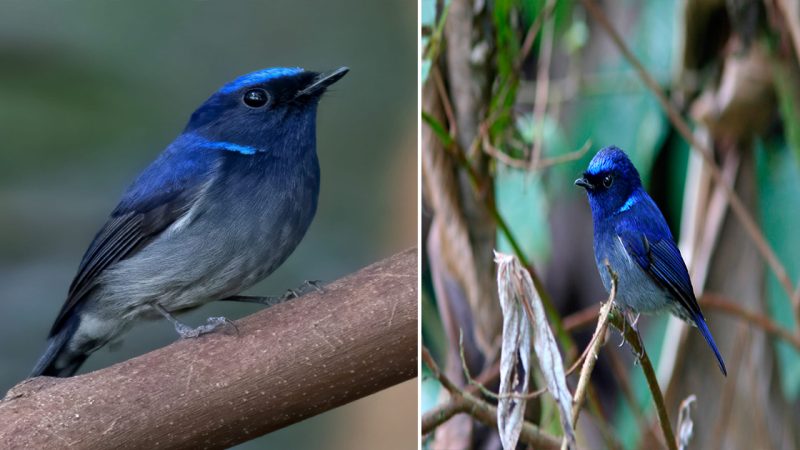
[212, 324]
[307, 287]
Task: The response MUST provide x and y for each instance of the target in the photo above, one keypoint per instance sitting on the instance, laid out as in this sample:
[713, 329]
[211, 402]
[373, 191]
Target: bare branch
[462, 401]
[635, 341]
[720, 303]
[594, 349]
[289, 362]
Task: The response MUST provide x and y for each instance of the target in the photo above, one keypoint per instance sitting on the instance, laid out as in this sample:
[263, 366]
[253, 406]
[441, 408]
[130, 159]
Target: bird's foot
[186, 332]
[212, 324]
[635, 321]
[622, 332]
[307, 287]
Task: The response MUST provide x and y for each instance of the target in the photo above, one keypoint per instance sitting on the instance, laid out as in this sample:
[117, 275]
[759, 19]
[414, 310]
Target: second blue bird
[221, 208]
[631, 234]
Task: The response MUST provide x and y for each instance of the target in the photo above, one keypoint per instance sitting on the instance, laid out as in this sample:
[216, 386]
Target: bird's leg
[266, 301]
[305, 288]
[185, 331]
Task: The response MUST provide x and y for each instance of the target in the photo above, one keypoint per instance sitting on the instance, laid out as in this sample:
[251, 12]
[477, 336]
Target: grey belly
[224, 250]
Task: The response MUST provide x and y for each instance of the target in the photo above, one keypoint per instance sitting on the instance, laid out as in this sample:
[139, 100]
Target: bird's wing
[164, 192]
[656, 253]
[660, 258]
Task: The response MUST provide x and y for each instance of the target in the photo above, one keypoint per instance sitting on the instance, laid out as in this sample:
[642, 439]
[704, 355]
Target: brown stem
[634, 340]
[720, 303]
[287, 363]
[461, 401]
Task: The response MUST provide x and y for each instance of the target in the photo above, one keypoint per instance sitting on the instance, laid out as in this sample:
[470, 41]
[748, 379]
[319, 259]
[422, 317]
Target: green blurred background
[92, 91]
[732, 69]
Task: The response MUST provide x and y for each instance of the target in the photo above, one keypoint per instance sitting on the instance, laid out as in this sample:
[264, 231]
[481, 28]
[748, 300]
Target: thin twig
[540, 164]
[635, 341]
[591, 353]
[542, 85]
[483, 389]
[720, 303]
[683, 128]
[447, 106]
[623, 380]
[594, 346]
[461, 401]
[530, 36]
[583, 318]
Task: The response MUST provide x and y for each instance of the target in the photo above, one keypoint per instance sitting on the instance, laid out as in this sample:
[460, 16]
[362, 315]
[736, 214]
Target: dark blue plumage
[631, 234]
[221, 208]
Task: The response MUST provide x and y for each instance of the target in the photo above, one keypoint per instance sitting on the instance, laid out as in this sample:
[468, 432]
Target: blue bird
[220, 209]
[631, 234]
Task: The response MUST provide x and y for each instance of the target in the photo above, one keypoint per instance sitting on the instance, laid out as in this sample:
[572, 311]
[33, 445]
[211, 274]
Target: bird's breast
[635, 289]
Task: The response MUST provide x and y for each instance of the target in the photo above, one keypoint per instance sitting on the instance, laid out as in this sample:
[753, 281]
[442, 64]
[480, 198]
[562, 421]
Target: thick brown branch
[288, 362]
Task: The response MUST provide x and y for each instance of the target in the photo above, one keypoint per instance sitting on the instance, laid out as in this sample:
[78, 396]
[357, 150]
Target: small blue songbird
[631, 234]
[220, 209]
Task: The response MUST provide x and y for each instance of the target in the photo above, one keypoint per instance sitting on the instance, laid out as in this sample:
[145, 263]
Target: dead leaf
[516, 290]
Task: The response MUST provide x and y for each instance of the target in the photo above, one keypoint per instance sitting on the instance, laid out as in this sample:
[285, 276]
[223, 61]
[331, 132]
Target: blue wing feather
[647, 239]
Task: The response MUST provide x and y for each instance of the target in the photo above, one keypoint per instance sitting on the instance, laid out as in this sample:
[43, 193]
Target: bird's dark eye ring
[608, 180]
[255, 98]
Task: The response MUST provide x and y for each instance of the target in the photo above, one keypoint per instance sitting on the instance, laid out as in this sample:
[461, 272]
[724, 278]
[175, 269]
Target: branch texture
[287, 363]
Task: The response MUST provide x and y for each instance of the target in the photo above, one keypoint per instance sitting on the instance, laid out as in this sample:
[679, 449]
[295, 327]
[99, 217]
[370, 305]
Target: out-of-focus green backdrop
[92, 91]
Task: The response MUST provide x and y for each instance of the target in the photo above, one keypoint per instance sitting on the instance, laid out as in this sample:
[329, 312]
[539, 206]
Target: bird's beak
[584, 183]
[323, 80]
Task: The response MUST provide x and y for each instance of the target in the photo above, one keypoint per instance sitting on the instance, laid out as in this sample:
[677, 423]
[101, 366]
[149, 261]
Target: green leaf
[438, 129]
[522, 202]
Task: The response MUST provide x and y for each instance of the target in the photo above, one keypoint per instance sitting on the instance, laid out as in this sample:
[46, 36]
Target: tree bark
[287, 363]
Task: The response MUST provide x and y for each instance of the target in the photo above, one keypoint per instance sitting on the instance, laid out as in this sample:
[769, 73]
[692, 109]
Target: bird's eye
[255, 98]
[608, 180]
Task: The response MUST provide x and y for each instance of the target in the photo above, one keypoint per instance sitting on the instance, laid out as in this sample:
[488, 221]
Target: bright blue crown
[259, 77]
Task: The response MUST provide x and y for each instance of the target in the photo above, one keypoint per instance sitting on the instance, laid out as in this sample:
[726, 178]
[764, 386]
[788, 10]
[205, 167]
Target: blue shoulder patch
[259, 77]
[629, 203]
[231, 147]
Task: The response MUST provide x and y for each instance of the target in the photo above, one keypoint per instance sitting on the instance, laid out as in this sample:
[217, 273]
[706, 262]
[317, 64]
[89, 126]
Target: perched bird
[631, 234]
[220, 208]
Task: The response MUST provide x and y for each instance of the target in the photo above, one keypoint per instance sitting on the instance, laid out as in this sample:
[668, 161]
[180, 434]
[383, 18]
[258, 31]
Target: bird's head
[264, 109]
[610, 180]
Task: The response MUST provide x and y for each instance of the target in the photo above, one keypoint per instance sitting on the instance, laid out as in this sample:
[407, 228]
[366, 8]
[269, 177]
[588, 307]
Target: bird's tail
[58, 360]
[701, 325]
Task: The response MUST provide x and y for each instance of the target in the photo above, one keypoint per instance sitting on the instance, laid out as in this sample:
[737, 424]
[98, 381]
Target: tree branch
[633, 338]
[288, 362]
[464, 402]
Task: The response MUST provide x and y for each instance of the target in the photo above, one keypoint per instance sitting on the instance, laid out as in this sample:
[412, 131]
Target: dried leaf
[517, 293]
[685, 424]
